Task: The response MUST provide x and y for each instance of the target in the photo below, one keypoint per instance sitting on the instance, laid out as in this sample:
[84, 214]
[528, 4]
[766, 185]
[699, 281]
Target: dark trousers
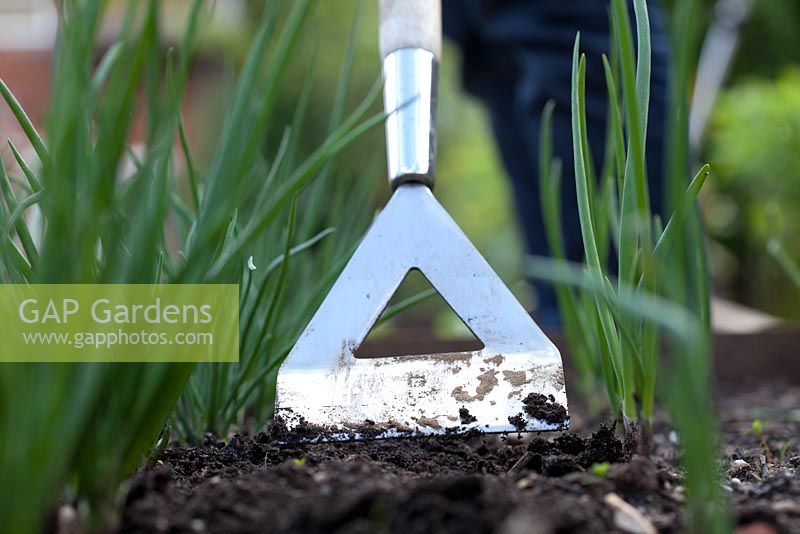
[517, 55]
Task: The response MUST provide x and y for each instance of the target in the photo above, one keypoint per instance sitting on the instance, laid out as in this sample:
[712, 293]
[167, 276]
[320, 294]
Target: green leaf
[24, 122]
[33, 182]
[16, 222]
[676, 223]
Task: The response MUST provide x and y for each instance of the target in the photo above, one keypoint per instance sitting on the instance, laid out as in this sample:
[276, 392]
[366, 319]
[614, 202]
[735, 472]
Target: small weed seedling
[757, 430]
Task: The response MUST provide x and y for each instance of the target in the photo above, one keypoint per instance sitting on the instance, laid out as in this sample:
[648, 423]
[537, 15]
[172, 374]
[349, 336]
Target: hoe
[515, 383]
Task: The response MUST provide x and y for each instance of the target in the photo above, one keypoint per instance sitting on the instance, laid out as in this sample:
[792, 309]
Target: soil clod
[544, 408]
[518, 421]
[465, 416]
[557, 465]
[602, 446]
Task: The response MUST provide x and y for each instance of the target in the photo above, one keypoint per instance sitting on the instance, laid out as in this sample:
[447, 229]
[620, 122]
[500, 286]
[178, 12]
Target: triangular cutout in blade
[325, 393]
[405, 332]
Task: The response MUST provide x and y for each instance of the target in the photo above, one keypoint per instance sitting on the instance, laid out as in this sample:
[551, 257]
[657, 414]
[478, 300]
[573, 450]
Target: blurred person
[517, 55]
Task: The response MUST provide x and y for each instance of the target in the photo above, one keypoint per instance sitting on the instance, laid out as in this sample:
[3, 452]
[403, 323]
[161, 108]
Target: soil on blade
[466, 417]
[544, 408]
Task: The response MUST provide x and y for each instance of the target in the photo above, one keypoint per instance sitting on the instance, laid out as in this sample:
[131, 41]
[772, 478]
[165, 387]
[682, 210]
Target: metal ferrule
[410, 85]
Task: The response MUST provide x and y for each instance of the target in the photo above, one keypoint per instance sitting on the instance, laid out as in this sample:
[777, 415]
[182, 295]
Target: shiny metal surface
[323, 386]
[409, 96]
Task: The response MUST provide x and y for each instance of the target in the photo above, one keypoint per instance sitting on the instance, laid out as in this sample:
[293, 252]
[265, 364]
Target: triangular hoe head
[514, 384]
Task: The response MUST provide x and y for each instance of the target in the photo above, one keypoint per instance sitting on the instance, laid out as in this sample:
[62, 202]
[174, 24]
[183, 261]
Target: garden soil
[477, 483]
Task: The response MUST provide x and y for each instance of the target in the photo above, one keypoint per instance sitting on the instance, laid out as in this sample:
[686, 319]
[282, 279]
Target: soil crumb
[518, 421]
[465, 416]
[544, 408]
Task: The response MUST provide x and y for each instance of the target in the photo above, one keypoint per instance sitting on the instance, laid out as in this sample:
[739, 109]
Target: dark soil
[544, 408]
[465, 416]
[478, 483]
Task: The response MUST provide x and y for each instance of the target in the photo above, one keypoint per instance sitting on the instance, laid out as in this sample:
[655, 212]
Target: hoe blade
[515, 383]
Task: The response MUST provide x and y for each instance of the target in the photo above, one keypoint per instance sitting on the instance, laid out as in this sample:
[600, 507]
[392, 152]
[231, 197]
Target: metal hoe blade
[325, 393]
